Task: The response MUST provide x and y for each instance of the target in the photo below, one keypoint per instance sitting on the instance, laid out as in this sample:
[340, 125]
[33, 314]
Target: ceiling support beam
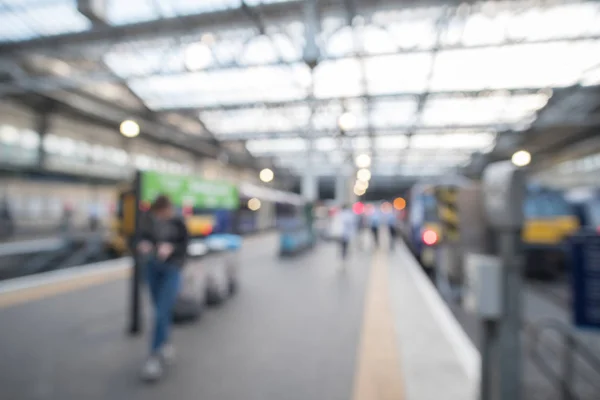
[450, 94]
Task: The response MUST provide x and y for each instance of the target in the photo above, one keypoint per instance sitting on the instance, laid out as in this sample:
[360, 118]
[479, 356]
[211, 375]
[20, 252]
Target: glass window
[118, 156]
[594, 213]
[9, 134]
[29, 139]
[98, 152]
[430, 208]
[52, 144]
[68, 147]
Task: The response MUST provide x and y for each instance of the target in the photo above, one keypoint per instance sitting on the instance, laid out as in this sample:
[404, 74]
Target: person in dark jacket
[163, 241]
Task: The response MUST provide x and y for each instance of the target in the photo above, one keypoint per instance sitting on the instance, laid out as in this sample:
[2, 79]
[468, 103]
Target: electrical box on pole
[504, 191]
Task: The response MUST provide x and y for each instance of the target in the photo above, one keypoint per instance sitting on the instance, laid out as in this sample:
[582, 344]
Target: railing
[572, 347]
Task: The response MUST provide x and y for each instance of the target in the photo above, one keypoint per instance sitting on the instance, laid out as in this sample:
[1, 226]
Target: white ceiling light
[197, 56]
[266, 175]
[254, 204]
[521, 158]
[129, 128]
[9, 134]
[359, 192]
[347, 121]
[361, 185]
[363, 161]
[208, 39]
[363, 175]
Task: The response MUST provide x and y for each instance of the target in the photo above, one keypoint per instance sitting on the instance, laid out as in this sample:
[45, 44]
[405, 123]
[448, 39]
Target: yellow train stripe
[13, 298]
[448, 196]
[447, 215]
[378, 375]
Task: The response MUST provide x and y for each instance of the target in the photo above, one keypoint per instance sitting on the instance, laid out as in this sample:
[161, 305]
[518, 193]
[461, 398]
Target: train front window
[430, 208]
[594, 214]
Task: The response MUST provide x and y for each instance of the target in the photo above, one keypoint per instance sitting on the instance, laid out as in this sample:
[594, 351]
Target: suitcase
[192, 294]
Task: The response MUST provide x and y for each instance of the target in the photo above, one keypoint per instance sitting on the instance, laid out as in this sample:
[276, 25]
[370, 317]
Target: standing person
[348, 224]
[164, 241]
[391, 218]
[375, 220]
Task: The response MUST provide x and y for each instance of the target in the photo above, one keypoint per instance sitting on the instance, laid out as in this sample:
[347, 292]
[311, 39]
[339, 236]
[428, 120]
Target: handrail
[572, 345]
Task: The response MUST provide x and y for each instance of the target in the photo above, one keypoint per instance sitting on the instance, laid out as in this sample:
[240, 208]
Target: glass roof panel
[340, 78]
[391, 142]
[466, 141]
[21, 19]
[257, 120]
[326, 116]
[386, 113]
[539, 65]
[397, 73]
[256, 84]
[275, 146]
[131, 11]
[496, 109]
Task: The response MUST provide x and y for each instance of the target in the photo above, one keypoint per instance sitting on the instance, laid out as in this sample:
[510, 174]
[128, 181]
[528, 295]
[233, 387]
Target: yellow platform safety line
[378, 375]
[43, 291]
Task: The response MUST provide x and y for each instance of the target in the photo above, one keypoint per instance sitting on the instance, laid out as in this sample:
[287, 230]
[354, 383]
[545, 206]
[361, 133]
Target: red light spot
[144, 206]
[358, 208]
[430, 237]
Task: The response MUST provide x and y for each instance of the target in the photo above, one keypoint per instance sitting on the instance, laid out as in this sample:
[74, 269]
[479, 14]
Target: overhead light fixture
[266, 175]
[363, 161]
[129, 128]
[197, 56]
[363, 175]
[208, 39]
[362, 185]
[399, 204]
[521, 158]
[254, 204]
[359, 192]
[347, 121]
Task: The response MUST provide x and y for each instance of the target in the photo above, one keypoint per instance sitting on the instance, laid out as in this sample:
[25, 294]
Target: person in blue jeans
[163, 241]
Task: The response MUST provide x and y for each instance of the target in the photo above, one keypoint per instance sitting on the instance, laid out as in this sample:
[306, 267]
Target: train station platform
[300, 328]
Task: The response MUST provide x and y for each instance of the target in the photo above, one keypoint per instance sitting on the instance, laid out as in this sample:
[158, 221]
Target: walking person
[392, 222]
[164, 242]
[349, 226]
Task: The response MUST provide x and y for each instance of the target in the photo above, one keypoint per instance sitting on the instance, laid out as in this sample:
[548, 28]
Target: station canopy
[417, 87]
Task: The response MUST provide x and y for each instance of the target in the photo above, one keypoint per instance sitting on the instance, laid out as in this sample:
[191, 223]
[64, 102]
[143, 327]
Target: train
[260, 208]
[31, 206]
[549, 221]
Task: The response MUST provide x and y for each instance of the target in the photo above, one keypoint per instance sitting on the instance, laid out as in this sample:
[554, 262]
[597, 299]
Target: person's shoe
[152, 369]
[167, 352]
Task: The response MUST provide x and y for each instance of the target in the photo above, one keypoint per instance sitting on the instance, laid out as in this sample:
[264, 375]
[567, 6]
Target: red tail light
[430, 237]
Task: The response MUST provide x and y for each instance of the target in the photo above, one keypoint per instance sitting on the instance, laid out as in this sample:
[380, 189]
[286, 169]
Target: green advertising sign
[189, 191]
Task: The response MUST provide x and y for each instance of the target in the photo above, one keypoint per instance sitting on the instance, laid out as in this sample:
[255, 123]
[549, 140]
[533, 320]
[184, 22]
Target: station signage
[189, 191]
[586, 281]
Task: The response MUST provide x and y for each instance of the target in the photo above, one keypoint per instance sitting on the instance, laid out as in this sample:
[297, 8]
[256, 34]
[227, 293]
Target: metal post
[42, 127]
[135, 317]
[489, 353]
[510, 323]
[568, 367]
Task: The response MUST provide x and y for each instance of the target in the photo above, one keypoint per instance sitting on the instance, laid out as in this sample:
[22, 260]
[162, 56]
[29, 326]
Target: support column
[42, 126]
[309, 186]
[344, 189]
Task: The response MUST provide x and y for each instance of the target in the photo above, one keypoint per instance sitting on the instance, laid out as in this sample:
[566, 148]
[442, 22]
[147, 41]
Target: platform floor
[300, 328]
